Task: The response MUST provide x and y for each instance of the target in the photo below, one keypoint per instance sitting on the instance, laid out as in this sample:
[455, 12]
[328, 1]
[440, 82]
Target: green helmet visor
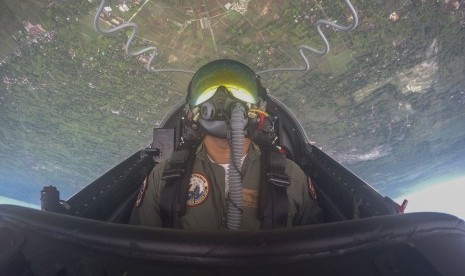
[238, 79]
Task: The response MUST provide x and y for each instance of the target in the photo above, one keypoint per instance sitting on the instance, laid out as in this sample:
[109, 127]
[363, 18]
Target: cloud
[445, 197]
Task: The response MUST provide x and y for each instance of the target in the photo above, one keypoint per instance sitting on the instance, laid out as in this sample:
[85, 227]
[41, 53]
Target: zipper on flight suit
[219, 205]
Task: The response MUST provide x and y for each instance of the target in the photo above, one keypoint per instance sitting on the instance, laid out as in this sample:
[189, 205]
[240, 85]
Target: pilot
[232, 182]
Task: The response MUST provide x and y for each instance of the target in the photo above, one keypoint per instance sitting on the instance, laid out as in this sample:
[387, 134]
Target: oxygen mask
[218, 107]
[214, 115]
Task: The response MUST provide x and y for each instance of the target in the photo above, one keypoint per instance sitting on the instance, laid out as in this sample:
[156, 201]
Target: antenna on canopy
[303, 48]
[154, 51]
[133, 26]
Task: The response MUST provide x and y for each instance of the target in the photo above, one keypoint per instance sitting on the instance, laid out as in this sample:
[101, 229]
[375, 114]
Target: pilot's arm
[146, 211]
[302, 197]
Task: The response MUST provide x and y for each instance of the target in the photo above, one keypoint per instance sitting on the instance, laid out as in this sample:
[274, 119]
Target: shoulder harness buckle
[276, 173]
[177, 165]
[172, 198]
[274, 203]
[279, 179]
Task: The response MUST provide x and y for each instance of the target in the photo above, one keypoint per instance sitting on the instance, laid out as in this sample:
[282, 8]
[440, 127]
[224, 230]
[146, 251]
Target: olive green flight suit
[210, 211]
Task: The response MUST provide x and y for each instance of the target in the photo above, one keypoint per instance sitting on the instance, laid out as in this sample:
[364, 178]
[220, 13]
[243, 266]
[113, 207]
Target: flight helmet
[215, 88]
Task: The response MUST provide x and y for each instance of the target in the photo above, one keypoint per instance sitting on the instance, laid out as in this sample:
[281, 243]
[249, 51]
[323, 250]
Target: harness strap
[274, 203]
[173, 196]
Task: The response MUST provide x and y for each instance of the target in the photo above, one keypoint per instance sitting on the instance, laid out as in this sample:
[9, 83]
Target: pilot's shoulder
[290, 164]
[294, 171]
[157, 171]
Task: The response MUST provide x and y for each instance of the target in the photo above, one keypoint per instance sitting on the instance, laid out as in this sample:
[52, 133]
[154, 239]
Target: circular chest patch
[198, 190]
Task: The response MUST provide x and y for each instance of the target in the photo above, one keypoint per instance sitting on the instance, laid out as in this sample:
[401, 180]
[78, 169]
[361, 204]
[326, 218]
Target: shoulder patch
[198, 190]
[143, 189]
[311, 188]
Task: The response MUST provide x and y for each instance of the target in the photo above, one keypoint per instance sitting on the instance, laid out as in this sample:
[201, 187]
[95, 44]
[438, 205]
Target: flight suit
[207, 205]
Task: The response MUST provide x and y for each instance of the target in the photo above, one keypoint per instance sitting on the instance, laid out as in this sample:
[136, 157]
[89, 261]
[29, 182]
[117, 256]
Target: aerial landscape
[387, 101]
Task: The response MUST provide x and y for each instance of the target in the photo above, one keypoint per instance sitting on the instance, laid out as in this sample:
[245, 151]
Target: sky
[445, 196]
[6, 200]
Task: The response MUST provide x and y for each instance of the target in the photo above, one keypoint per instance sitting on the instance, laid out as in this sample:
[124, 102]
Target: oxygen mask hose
[238, 122]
